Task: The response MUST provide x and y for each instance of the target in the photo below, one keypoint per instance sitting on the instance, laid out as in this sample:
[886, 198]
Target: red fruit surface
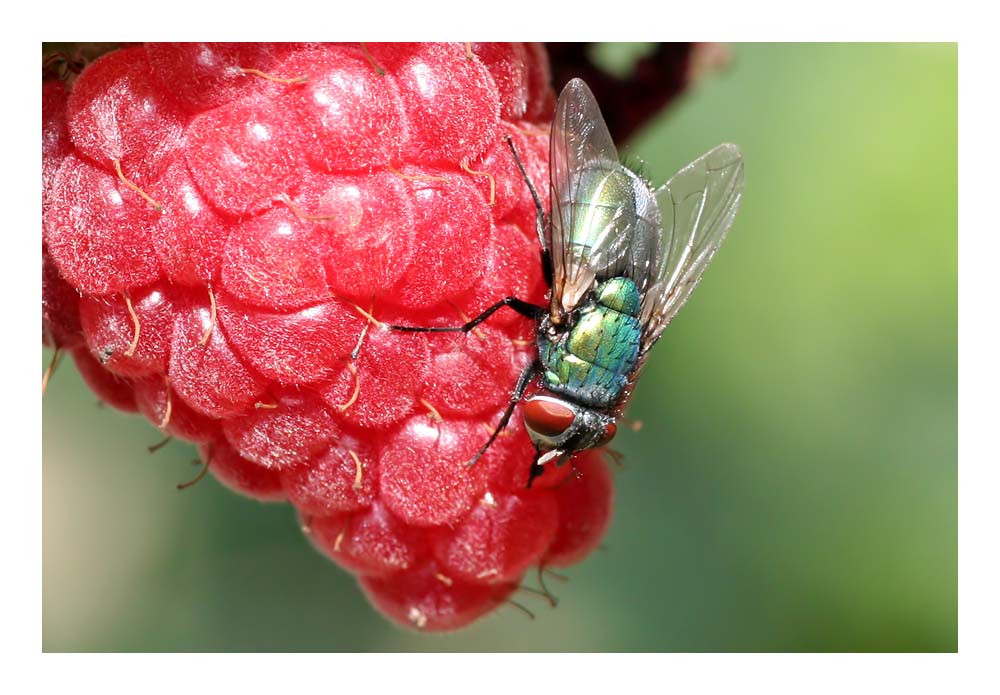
[426, 598]
[584, 511]
[272, 197]
[119, 115]
[60, 308]
[97, 230]
[109, 327]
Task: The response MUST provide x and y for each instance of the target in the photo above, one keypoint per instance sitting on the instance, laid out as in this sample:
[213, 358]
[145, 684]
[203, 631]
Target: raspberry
[220, 221]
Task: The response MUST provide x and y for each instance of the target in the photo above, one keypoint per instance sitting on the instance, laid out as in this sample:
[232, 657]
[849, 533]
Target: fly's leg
[522, 307]
[539, 210]
[515, 397]
[542, 458]
[536, 469]
[519, 305]
[540, 220]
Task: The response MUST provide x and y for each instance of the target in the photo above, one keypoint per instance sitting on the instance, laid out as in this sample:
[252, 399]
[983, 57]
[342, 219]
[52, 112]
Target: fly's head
[561, 427]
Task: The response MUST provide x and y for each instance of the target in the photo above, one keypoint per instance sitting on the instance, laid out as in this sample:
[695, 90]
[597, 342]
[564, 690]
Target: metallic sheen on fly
[621, 259]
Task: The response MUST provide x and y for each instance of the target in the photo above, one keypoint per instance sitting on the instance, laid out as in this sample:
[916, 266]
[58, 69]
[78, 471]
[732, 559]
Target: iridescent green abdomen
[592, 361]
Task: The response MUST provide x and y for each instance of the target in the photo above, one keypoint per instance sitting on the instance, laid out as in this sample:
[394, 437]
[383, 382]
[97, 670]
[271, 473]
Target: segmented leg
[515, 397]
[519, 305]
[541, 220]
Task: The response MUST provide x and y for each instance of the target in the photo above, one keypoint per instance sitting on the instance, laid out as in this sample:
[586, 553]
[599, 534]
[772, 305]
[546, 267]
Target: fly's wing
[592, 237]
[697, 208]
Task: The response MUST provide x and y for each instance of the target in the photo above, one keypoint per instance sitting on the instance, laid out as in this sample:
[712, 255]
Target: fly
[621, 258]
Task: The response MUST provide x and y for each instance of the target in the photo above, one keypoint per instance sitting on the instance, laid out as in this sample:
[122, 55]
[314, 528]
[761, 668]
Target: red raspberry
[219, 220]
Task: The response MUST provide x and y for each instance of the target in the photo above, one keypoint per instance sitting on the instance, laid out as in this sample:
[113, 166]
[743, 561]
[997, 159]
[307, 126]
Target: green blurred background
[794, 486]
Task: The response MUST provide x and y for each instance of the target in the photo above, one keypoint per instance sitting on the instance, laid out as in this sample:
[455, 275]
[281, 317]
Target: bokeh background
[794, 487]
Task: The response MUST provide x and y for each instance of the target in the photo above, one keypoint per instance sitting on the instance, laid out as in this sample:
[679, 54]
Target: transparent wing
[604, 220]
[697, 208]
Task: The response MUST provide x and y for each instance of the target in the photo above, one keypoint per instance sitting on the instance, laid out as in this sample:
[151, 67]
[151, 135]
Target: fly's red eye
[610, 430]
[548, 418]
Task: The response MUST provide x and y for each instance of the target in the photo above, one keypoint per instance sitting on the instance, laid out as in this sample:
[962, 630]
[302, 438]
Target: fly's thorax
[559, 423]
[614, 228]
[609, 200]
[619, 294]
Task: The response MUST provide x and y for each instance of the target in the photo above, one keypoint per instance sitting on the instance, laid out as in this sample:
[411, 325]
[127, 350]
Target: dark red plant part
[653, 82]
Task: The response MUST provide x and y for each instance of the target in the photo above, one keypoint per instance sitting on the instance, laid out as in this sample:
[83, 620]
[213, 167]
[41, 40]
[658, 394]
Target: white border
[978, 313]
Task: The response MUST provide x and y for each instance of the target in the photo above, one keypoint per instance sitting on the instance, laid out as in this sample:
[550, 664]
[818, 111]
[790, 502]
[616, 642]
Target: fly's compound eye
[548, 418]
[610, 430]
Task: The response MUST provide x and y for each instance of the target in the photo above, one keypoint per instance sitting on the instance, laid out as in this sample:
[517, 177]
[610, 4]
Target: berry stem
[371, 60]
[358, 467]
[212, 317]
[159, 445]
[302, 79]
[367, 315]
[414, 177]
[493, 184]
[432, 412]
[135, 323]
[544, 593]
[357, 389]
[169, 407]
[201, 474]
[301, 215]
[520, 607]
[133, 187]
[56, 355]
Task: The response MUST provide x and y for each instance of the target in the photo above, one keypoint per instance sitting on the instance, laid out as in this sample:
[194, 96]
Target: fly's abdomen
[593, 362]
[605, 338]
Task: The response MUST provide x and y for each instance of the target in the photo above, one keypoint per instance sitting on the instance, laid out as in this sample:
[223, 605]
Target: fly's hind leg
[541, 221]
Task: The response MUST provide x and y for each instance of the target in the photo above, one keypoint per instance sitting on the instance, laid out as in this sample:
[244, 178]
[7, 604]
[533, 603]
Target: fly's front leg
[515, 397]
[522, 307]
